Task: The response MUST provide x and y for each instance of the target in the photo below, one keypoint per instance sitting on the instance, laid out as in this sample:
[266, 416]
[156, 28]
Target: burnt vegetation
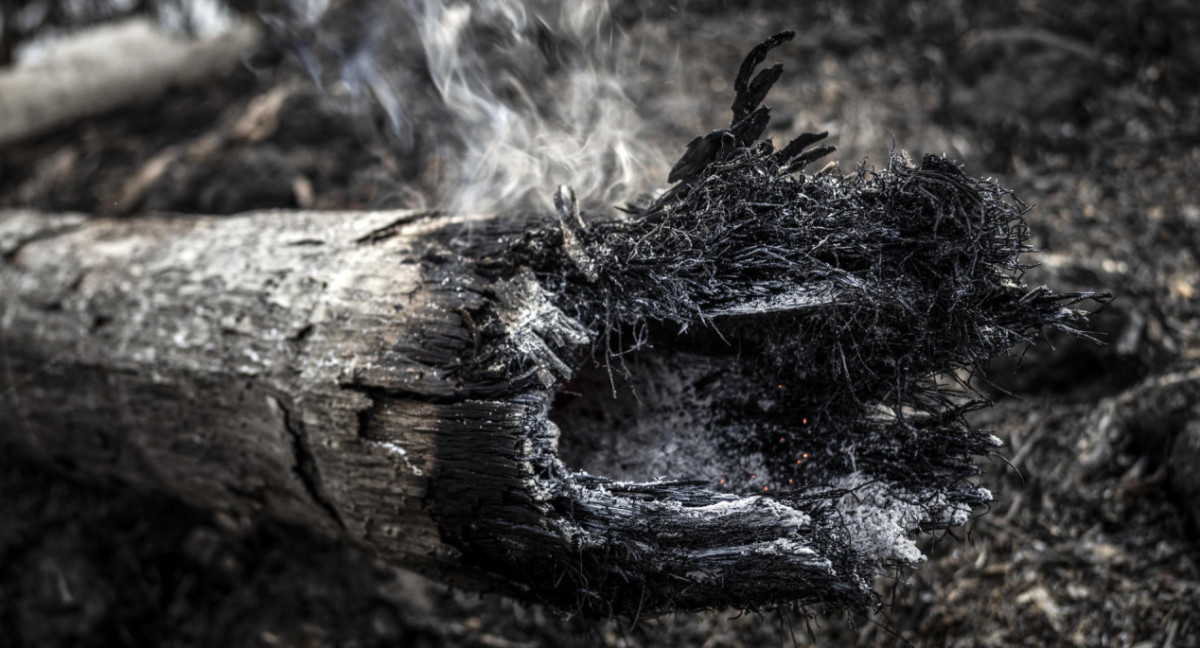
[820, 332]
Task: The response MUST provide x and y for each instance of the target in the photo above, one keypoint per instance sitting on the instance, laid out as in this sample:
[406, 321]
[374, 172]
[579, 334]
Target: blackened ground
[1087, 110]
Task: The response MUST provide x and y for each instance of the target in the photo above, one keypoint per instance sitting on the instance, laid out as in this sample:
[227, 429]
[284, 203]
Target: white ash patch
[882, 520]
[396, 450]
[536, 328]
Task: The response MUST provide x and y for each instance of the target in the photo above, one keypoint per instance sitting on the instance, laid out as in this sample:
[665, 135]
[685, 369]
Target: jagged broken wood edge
[622, 277]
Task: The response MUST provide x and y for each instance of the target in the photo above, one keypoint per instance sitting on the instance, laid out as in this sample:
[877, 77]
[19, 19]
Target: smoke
[495, 102]
[503, 100]
[200, 18]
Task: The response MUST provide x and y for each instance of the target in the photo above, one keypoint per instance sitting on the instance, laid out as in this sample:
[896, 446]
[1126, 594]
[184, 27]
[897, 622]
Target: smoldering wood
[354, 373]
[298, 365]
[109, 66]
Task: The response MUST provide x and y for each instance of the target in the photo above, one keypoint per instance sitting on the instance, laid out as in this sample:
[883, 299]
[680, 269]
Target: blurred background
[1088, 110]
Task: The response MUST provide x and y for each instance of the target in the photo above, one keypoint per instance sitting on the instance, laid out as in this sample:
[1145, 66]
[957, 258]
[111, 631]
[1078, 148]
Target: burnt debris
[750, 391]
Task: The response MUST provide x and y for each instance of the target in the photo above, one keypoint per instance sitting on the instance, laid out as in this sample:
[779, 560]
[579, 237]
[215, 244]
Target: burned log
[735, 396]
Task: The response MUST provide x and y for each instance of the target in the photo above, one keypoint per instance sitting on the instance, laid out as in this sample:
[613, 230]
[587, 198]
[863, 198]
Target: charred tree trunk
[367, 375]
[303, 366]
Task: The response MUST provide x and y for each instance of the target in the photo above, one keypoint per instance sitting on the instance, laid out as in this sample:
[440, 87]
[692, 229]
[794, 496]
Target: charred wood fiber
[830, 325]
[750, 391]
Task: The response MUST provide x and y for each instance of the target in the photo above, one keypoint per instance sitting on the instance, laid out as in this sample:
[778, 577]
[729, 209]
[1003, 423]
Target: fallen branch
[107, 67]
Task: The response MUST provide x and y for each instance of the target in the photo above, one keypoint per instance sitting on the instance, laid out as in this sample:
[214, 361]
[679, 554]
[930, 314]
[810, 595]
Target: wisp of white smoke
[531, 95]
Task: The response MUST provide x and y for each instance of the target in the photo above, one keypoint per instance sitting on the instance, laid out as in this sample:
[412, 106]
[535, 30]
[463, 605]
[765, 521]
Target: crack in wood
[392, 228]
[376, 394]
[18, 232]
[305, 466]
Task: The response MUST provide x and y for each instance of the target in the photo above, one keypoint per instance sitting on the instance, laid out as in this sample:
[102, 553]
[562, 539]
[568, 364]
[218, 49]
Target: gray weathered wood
[230, 361]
